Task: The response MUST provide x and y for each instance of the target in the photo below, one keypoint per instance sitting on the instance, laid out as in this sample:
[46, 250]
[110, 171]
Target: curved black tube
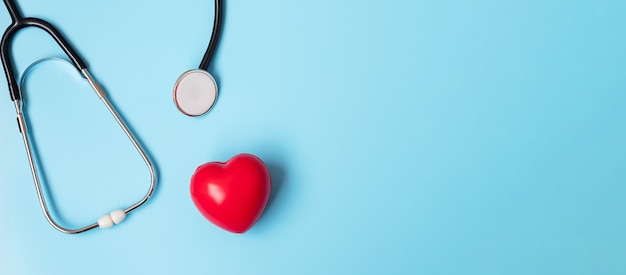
[13, 10]
[215, 35]
[19, 23]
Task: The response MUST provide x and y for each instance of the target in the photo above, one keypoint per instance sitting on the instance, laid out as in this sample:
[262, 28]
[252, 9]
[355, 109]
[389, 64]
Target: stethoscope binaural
[195, 93]
[19, 22]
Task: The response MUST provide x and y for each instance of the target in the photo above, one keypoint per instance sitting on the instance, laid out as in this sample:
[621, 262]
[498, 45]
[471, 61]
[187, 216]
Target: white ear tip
[118, 216]
[105, 221]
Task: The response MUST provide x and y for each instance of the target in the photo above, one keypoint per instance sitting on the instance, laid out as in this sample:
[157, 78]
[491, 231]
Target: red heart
[232, 195]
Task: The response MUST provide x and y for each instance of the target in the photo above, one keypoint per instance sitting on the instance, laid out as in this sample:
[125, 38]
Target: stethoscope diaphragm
[195, 92]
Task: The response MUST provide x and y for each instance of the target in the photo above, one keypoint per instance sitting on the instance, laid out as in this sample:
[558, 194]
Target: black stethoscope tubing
[215, 35]
[19, 22]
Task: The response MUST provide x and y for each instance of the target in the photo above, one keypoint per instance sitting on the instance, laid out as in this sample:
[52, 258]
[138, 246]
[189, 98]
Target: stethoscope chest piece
[195, 92]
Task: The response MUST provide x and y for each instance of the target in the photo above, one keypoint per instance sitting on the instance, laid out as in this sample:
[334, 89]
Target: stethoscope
[195, 93]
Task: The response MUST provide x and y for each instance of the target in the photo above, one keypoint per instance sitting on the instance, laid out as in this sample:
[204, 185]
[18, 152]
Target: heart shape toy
[232, 195]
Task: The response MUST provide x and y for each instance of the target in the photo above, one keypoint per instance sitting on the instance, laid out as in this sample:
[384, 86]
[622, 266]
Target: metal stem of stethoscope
[96, 87]
[18, 23]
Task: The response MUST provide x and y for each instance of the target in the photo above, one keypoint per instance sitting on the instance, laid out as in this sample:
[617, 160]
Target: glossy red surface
[232, 195]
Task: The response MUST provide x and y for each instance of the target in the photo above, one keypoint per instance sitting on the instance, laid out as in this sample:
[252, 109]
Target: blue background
[403, 137]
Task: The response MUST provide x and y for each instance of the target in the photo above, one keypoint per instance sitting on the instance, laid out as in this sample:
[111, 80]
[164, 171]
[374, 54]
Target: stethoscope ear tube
[215, 35]
[115, 216]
